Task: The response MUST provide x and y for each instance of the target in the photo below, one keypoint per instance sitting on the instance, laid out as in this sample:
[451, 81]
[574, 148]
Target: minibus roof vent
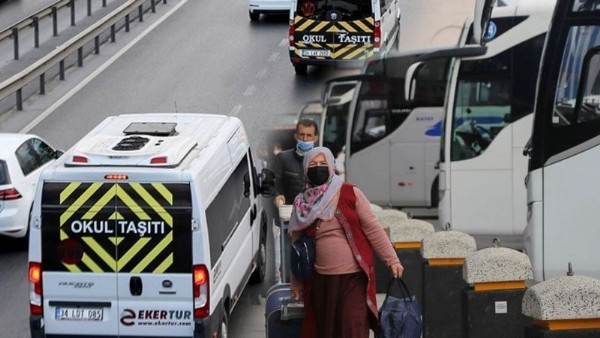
[131, 143]
[151, 128]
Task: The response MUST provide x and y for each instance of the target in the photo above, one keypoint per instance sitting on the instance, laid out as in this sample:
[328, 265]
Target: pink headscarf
[316, 202]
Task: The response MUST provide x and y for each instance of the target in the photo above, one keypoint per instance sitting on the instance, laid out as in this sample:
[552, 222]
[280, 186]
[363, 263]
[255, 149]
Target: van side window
[348, 9]
[226, 211]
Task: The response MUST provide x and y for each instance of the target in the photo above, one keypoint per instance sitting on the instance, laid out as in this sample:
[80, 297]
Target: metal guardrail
[58, 55]
[30, 21]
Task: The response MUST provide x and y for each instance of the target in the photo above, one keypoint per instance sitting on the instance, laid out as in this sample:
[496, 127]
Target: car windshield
[322, 9]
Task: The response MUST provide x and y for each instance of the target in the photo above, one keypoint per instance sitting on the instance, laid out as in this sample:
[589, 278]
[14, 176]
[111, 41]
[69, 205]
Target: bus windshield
[581, 39]
[344, 9]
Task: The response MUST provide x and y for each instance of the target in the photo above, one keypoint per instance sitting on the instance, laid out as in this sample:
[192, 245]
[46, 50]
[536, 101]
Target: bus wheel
[254, 16]
[301, 69]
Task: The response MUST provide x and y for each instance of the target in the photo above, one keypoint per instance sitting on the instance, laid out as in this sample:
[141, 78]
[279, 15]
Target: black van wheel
[261, 261]
[254, 16]
[224, 325]
[301, 69]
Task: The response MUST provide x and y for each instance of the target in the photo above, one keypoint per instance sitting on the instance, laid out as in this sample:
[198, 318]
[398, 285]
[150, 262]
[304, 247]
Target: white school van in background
[150, 226]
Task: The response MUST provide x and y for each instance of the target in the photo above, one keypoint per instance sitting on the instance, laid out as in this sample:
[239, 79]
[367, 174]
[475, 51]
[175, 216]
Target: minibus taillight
[292, 32]
[377, 34]
[35, 289]
[80, 159]
[10, 194]
[201, 288]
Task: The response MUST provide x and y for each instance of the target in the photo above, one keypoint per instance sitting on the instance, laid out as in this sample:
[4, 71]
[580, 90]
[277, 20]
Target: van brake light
[80, 159]
[201, 289]
[377, 34]
[159, 160]
[35, 289]
[9, 194]
[292, 33]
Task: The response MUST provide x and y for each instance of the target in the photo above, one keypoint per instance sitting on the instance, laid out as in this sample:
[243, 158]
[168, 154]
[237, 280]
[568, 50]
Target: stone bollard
[563, 307]
[386, 218]
[444, 253]
[406, 237]
[492, 301]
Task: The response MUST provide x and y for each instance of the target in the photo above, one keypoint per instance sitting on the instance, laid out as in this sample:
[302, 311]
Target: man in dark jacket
[289, 182]
[287, 166]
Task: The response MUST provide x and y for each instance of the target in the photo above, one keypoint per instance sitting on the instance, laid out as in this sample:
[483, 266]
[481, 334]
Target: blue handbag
[400, 317]
[302, 257]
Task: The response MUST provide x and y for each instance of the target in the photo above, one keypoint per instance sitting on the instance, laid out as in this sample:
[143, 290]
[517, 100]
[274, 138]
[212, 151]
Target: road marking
[283, 42]
[236, 110]
[251, 90]
[274, 57]
[262, 73]
[97, 72]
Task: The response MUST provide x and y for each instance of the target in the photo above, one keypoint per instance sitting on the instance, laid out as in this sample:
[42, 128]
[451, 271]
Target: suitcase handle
[291, 309]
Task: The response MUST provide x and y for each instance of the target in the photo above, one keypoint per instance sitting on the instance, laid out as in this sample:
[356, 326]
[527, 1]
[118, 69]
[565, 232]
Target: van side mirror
[267, 183]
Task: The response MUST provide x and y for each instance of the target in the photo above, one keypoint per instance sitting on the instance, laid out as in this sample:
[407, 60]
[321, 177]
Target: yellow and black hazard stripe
[116, 227]
[345, 40]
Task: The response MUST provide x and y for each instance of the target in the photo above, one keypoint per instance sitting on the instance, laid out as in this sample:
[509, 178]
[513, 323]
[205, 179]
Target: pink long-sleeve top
[334, 255]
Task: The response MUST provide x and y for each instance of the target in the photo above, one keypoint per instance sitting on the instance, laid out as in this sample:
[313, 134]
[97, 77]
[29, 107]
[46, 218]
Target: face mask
[304, 146]
[318, 175]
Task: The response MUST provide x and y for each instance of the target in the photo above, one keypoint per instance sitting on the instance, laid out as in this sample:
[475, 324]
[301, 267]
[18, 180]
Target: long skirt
[340, 305]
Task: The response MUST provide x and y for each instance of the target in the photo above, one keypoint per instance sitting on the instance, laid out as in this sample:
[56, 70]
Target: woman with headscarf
[339, 299]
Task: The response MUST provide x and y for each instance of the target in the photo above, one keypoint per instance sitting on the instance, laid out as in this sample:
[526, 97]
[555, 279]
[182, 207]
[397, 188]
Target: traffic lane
[189, 63]
[14, 289]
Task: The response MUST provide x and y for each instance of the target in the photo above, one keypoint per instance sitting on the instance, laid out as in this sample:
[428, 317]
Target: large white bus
[392, 137]
[562, 183]
[368, 118]
[488, 121]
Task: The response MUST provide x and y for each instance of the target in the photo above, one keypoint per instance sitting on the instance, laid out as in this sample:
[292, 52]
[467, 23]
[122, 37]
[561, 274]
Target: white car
[22, 158]
[258, 7]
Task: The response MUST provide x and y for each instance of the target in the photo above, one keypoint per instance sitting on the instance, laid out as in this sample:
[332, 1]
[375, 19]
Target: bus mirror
[481, 17]
[410, 81]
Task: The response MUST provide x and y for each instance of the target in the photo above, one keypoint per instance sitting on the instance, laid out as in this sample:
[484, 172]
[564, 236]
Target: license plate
[315, 52]
[70, 313]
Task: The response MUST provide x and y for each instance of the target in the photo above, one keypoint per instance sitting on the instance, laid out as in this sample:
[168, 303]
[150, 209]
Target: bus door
[375, 113]
[337, 99]
[566, 146]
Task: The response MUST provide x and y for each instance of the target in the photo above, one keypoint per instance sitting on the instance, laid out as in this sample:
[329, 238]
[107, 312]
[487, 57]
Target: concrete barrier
[444, 253]
[564, 307]
[492, 301]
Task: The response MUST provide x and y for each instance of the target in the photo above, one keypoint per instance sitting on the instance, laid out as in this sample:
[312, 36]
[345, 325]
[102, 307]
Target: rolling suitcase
[283, 314]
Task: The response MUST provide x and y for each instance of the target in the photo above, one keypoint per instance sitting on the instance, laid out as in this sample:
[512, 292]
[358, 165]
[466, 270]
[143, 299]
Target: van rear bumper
[342, 64]
[203, 328]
